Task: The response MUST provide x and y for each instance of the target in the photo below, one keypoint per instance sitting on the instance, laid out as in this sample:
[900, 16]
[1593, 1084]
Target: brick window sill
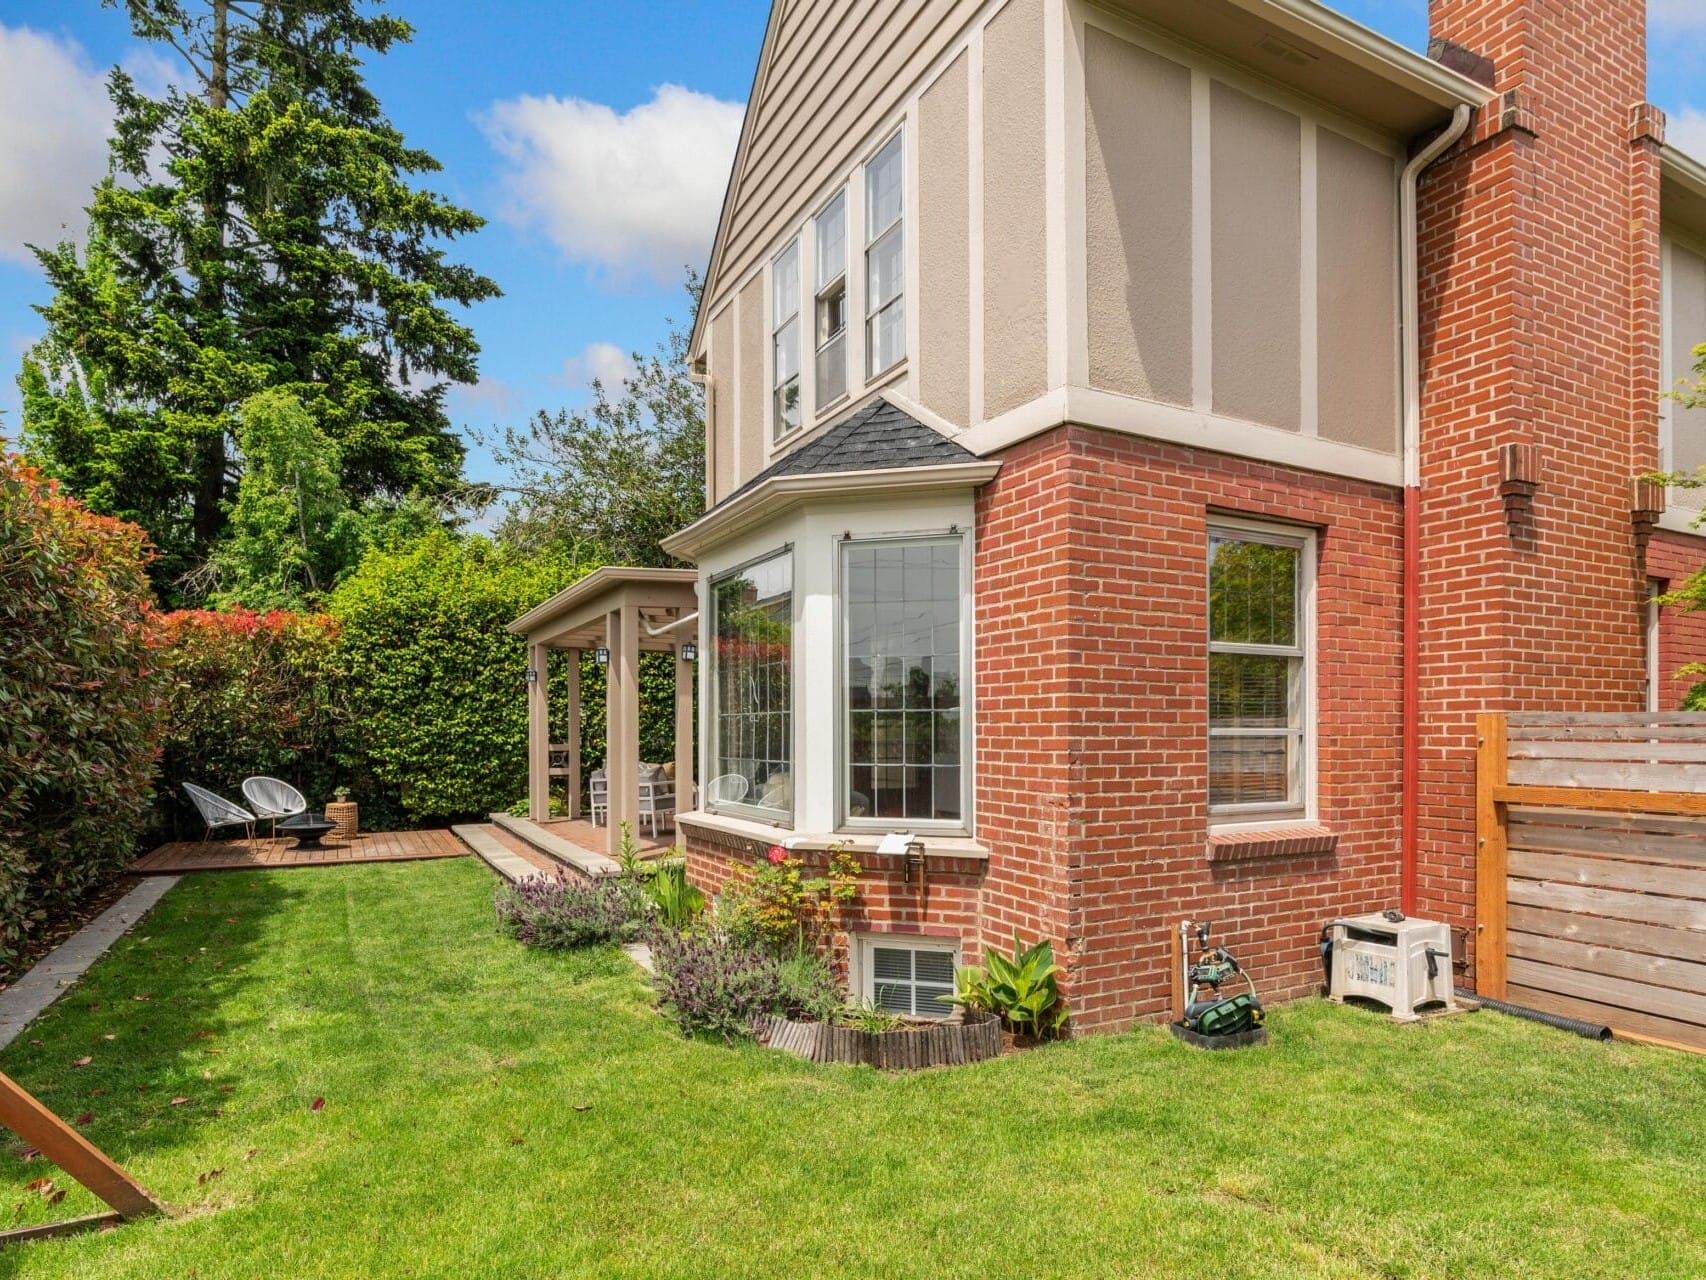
[1299, 840]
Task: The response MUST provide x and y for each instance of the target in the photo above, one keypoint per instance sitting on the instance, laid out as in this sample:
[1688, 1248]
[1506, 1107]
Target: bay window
[785, 340]
[885, 259]
[752, 626]
[904, 747]
[1257, 673]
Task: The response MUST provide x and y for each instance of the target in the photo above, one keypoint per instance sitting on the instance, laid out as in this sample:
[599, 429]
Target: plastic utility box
[1402, 964]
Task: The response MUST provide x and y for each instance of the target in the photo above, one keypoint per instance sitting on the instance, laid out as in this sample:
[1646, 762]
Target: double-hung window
[831, 301]
[1258, 684]
[904, 747]
[785, 340]
[752, 740]
[885, 258]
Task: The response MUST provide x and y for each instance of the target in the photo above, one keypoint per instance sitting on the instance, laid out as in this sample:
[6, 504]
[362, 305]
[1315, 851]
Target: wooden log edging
[944, 1044]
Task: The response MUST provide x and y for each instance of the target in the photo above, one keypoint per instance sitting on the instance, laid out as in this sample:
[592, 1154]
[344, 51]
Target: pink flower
[777, 855]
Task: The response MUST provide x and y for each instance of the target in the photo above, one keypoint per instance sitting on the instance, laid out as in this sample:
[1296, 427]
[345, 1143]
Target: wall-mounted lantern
[532, 676]
[689, 651]
[601, 656]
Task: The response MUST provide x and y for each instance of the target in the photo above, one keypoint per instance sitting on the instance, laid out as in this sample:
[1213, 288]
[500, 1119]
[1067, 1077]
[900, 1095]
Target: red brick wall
[1672, 558]
[1539, 257]
[1128, 685]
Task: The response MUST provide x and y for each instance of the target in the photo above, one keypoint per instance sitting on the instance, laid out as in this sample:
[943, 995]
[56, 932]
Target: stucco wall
[1137, 124]
[1356, 291]
[1256, 184]
[753, 392]
[944, 245]
[1015, 214]
[720, 465]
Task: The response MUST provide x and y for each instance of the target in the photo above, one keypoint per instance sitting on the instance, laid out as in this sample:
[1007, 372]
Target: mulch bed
[54, 932]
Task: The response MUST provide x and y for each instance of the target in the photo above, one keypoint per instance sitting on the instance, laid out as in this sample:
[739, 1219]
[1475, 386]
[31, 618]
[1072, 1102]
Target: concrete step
[495, 853]
[581, 861]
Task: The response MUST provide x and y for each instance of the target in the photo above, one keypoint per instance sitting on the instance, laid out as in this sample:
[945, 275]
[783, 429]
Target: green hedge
[80, 707]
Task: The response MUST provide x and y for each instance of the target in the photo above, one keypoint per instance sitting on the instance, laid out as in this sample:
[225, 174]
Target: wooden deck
[597, 839]
[267, 853]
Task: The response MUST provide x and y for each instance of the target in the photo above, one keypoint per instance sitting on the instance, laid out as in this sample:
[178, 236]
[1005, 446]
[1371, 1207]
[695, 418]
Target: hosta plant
[1022, 989]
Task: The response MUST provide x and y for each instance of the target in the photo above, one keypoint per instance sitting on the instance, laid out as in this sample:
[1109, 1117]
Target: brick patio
[238, 855]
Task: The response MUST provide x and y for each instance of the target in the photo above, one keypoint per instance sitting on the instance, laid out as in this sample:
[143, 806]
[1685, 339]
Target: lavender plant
[554, 912]
[710, 983]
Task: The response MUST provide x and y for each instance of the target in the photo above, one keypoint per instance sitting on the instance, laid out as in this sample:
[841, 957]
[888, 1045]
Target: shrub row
[80, 699]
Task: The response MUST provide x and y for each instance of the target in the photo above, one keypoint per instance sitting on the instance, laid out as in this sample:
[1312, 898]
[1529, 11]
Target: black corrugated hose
[1589, 1030]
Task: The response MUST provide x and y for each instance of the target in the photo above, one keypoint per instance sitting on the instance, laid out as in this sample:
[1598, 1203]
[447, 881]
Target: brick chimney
[1540, 263]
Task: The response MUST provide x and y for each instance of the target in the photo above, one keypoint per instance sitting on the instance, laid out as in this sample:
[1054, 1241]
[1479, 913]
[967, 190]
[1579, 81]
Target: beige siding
[1256, 176]
[1138, 219]
[1687, 314]
[753, 393]
[1015, 214]
[721, 437]
[944, 246]
[1356, 292]
[839, 71]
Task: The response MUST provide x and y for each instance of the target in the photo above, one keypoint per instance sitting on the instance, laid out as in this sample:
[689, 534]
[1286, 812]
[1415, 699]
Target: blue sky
[595, 136]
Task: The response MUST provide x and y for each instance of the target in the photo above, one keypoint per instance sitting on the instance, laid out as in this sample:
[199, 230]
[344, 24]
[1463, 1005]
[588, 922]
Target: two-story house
[1142, 434]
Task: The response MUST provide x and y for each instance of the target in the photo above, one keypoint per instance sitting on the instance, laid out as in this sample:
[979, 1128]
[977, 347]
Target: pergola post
[622, 715]
[538, 732]
[684, 754]
[572, 791]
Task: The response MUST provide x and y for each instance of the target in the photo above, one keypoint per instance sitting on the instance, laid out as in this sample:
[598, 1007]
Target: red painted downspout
[1410, 771]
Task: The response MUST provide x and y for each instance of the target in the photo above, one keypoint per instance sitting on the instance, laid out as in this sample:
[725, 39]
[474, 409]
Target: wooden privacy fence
[1591, 873]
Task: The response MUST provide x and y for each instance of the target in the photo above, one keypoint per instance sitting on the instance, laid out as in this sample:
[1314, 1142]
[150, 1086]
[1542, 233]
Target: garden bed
[972, 1037]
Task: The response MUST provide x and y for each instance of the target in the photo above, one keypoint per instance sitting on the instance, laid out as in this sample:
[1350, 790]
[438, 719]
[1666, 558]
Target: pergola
[625, 612]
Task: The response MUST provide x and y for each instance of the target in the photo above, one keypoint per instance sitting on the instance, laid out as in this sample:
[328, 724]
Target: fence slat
[1621, 993]
[1609, 873]
[1596, 773]
[1638, 752]
[1626, 935]
[1643, 908]
[1635, 843]
[1658, 971]
[1605, 733]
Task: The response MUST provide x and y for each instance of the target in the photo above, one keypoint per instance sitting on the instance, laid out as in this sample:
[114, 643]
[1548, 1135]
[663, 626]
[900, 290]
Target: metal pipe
[667, 627]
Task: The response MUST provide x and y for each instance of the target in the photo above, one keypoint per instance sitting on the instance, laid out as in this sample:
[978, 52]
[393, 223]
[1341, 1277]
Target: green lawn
[493, 1112]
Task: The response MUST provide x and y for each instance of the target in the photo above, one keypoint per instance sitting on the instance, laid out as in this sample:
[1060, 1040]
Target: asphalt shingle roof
[876, 437]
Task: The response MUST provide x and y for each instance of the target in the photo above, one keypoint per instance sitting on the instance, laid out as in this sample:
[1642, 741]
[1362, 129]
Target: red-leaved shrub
[80, 711]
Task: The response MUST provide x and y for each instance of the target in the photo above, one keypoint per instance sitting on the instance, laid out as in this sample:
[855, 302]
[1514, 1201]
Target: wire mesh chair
[218, 812]
[730, 788]
[272, 799]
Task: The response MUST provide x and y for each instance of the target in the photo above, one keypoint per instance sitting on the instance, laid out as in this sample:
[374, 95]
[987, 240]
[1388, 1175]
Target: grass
[495, 1112]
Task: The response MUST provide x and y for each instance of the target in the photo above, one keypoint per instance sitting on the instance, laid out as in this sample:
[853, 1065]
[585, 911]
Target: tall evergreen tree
[259, 229]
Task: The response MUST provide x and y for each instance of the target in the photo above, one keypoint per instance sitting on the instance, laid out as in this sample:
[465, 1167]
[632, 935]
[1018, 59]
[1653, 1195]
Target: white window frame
[713, 764]
[1235, 817]
[843, 729]
[779, 432]
[867, 943]
[824, 288]
[872, 236]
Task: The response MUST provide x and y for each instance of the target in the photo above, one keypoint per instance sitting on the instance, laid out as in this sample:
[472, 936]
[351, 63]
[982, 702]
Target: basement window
[904, 976]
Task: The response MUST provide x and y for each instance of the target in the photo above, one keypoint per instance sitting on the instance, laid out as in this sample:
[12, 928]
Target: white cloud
[635, 193]
[489, 396]
[604, 362]
[54, 114]
[1685, 129]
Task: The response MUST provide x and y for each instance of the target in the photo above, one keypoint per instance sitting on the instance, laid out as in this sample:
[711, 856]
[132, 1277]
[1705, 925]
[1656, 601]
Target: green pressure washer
[1216, 1015]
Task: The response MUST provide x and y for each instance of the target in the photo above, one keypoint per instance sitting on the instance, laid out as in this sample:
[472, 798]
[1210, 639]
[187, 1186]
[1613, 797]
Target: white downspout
[1412, 306]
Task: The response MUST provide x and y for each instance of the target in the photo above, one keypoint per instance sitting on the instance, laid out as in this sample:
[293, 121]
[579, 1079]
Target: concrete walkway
[23, 1001]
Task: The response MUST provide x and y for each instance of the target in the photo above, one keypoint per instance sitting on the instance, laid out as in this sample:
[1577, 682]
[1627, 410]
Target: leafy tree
[614, 479]
[292, 530]
[258, 229]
